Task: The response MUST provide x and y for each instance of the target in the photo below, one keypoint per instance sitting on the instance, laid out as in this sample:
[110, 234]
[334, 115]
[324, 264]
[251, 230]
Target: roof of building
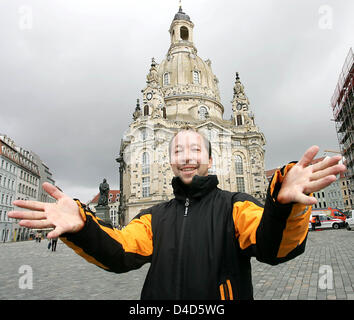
[113, 196]
[180, 15]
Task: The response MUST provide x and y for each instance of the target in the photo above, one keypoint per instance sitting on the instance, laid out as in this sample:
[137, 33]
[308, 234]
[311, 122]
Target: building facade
[180, 91]
[20, 179]
[342, 103]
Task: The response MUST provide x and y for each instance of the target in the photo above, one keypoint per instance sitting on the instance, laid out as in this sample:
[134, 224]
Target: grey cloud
[68, 86]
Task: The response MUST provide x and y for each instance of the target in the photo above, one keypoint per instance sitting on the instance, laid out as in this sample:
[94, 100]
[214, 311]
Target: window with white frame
[143, 134]
[238, 165]
[146, 187]
[196, 77]
[166, 78]
[145, 163]
[203, 113]
[240, 184]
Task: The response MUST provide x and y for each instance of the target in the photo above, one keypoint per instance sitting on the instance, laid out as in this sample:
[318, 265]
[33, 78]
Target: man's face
[189, 156]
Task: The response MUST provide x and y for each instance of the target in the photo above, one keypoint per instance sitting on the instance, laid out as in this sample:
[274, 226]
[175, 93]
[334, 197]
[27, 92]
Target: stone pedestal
[102, 212]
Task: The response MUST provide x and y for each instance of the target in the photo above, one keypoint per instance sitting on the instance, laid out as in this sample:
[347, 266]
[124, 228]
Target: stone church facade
[183, 90]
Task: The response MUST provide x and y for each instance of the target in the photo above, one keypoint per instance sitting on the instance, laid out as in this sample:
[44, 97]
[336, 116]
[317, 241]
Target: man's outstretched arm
[277, 232]
[97, 242]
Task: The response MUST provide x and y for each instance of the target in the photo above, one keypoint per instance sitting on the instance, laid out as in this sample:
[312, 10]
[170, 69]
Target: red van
[331, 212]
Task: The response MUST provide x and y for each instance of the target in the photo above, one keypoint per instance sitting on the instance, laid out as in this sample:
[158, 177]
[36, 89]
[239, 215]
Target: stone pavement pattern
[65, 275]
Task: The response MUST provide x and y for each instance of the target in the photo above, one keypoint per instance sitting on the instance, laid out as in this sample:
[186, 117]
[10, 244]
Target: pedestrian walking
[54, 243]
[200, 242]
[313, 223]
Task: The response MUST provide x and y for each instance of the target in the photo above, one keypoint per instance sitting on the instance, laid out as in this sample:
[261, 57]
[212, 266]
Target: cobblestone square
[324, 272]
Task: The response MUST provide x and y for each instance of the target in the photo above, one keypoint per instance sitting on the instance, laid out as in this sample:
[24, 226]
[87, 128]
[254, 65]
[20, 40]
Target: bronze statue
[104, 190]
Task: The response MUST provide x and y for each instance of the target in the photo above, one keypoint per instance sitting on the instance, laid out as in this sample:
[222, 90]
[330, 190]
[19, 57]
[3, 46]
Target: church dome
[183, 72]
[180, 15]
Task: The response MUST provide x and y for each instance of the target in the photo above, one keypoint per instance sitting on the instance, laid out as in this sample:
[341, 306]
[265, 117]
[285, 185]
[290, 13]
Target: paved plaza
[30, 271]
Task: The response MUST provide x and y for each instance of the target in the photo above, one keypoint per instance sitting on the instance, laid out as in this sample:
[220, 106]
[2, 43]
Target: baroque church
[180, 91]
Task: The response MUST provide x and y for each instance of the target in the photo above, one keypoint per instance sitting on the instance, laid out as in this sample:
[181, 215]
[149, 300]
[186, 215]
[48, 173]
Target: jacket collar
[200, 186]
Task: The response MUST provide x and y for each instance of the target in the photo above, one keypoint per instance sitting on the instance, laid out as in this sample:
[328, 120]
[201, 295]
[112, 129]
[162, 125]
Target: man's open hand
[303, 178]
[63, 216]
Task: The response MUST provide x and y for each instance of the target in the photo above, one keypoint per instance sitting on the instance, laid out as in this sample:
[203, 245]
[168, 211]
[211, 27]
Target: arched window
[203, 113]
[196, 77]
[238, 165]
[239, 120]
[146, 163]
[184, 33]
[164, 112]
[143, 134]
[146, 110]
[166, 78]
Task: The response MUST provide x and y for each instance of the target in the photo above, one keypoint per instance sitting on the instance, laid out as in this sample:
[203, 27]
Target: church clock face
[149, 96]
[239, 106]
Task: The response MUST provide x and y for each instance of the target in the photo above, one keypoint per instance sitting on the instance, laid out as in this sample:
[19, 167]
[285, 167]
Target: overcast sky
[71, 71]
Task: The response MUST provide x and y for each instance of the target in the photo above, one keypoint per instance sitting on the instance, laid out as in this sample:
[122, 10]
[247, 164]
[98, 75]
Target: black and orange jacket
[200, 243]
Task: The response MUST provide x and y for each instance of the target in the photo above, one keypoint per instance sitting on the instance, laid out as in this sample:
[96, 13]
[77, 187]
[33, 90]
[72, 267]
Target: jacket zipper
[180, 250]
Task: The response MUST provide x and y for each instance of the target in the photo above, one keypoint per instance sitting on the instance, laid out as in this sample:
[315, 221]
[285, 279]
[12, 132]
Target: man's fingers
[306, 200]
[308, 156]
[325, 163]
[27, 215]
[35, 224]
[333, 170]
[57, 232]
[319, 184]
[53, 191]
[31, 205]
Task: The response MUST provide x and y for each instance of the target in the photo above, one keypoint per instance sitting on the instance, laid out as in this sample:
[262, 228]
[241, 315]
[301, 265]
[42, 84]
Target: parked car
[325, 222]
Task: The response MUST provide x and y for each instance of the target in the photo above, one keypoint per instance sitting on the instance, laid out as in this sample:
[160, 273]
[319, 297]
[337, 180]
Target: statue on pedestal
[104, 190]
[102, 208]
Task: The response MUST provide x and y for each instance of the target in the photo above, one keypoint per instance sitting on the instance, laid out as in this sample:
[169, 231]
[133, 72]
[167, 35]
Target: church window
[164, 113]
[203, 113]
[184, 33]
[196, 77]
[238, 165]
[239, 120]
[146, 163]
[146, 110]
[166, 78]
[240, 184]
[146, 187]
[212, 170]
[143, 134]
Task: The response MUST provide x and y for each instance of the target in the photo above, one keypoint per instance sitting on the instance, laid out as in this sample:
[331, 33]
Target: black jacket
[200, 243]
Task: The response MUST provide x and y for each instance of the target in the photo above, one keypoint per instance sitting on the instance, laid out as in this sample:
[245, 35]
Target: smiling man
[200, 242]
[190, 155]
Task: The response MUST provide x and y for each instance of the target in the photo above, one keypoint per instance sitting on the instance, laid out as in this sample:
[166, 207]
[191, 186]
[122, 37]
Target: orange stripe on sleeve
[296, 229]
[136, 237]
[279, 177]
[247, 216]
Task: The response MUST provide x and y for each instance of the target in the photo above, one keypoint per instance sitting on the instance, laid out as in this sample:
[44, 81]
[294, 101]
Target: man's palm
[304, 178]
[63, 216]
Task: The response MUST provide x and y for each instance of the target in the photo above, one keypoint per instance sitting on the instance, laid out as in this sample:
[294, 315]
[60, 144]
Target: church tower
[183, 90]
